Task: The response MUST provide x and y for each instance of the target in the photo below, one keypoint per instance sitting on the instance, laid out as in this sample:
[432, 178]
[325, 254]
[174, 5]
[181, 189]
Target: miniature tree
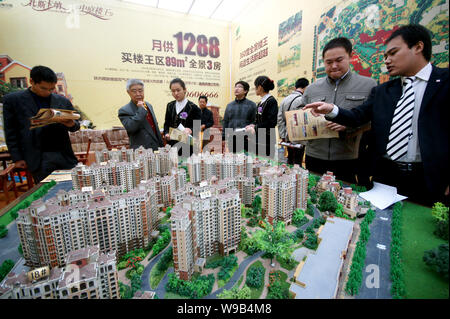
[297, 216]
[313, 195]
[438, 259]
[276, 288]
[3, 231]
[5, 268]
[168, 212]
[275, 240]
[310, 208]
[339, 212]
[256, 204]
[327, 202]
[236, 293]
[255, 277]
[440, 214]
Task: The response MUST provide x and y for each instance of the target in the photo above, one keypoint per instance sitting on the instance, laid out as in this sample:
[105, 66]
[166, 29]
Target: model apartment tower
[203, 226]
[88, 274]
[283, 191]
[126, 168]
[75, 220]
[221, 166]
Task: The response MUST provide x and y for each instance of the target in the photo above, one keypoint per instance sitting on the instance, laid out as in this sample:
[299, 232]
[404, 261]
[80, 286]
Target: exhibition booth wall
[95, 46]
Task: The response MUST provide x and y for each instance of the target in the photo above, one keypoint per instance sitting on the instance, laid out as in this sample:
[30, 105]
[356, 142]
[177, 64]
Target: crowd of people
[397, 132]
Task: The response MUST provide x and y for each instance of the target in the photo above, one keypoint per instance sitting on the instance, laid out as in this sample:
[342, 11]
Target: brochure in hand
[49, 116]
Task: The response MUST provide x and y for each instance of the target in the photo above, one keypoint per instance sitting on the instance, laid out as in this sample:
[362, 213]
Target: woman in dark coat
[180, 113]
[266, 117]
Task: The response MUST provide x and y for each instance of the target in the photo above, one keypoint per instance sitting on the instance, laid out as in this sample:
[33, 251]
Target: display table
[417, 229]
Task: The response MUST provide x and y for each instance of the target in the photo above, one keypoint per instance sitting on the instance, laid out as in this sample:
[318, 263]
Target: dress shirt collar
[265, 97]
[180, 105]
[424, 74]
[340, 79]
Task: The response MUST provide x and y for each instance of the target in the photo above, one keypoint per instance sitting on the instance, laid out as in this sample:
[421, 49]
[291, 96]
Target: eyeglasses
[137, 91]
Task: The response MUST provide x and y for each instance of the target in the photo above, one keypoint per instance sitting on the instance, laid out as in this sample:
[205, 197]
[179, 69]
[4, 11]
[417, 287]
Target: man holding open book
[46, 148]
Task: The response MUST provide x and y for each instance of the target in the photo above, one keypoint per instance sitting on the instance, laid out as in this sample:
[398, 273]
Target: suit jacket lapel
[30, 103]
[53, 103]
[149, 128]
[146, 123]
[431, 89]
[394, 93]
[158, 133]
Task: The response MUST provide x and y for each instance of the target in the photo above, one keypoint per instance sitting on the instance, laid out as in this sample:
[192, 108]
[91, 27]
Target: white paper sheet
[382, 196]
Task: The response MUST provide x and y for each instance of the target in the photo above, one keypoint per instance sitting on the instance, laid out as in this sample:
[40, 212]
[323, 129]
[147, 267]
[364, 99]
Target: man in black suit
[207, 117]
[139, 119]
[44, 149]
[409, 117]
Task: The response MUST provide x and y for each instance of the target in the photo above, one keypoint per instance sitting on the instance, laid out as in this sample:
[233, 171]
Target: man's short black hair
[412, 34]
[179, 81]
[41, 73]
[203, 97]
[301, 83]
[245, 85]
[341, 42]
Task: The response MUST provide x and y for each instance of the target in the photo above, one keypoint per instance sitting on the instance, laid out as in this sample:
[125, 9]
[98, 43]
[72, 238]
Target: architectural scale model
[113, 210]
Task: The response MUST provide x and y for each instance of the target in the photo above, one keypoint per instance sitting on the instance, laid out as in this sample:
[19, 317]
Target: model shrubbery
[440, 214]
[397, 275]
[5, 268]
[327, 202]
[277, 288]
[161, 243]
[311, 241]
[199, 288]
[3, 231]
[236, 293]
[437, 259]
[127, 292]
[228, 264]
[255, 277]
[42, 191]
[359, 256]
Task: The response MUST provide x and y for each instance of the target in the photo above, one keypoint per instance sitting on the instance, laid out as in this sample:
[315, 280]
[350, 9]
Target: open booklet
[302, 125]
[180, 136]
[49, 116]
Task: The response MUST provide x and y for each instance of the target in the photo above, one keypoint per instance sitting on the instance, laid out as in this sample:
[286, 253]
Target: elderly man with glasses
[139, 119]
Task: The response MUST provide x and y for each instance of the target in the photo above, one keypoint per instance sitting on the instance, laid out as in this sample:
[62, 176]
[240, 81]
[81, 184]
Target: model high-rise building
[126, 168]
[245, 186]
[221, 166]
[205, 225]
[49, 231]
[89, 274]
[283, 190]
[182, 242]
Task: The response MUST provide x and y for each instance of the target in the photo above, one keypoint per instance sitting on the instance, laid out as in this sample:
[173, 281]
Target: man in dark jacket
[409, 117]
[139, 119]
[44, 149]
[238, 114]
[207, 118]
